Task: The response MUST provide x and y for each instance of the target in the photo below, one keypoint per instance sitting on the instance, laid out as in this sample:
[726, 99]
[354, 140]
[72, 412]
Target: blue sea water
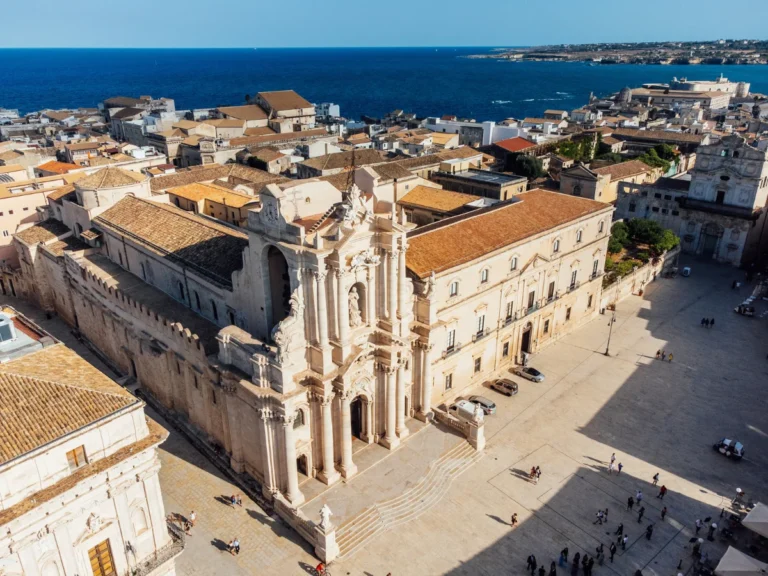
[371, 81]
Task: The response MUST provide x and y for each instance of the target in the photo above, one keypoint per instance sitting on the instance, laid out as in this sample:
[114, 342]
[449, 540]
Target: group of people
[535, 474]
[236, 500]
[662, 355]
[613, 466]
[708, 322]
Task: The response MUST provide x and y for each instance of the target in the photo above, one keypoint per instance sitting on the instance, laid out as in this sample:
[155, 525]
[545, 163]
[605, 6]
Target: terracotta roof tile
[284, 100]
[344, 160]
[623, 169]
[42, 232]
[110, 178]
[58, 167]
[478, 234]
[516, 144]
[437, 199]
[197, 191]
[658, 135]
[212, 250]
[51, 393]
[248, 112]
[210, 173]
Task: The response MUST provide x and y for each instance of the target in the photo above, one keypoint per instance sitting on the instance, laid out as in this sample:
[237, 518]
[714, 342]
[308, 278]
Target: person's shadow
[524, 474]
[219, 544]
[224, 500]
[499, 520]
[307, 568]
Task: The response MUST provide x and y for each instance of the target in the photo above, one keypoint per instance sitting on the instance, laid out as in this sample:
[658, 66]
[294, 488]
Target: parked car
[488, 406]
[731, 448]
[463, 410]
[505, 386]
[529, 373]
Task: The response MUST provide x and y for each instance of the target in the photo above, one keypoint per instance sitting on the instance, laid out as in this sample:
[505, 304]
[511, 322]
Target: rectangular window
[595, 265]
[100, 557]
[213, 396]
[448, 381]
[481, 324]
[657, 195]
[531, 298]
[509, 311]
[546, 326]
[655, 209]
[675, 213]
[505, 350]
[451, 340]
[632, 206]
[589, 301]
[567, 313]
[551, 291]
[573, 279]
[76, 458]
[478, 363]
[667, 197]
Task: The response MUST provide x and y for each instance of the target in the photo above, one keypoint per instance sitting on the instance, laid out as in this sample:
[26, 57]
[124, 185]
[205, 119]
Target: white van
[463, 410]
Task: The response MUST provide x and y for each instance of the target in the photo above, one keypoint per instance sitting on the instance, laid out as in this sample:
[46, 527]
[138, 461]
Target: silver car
[529, 373]
[505, 386]
[488, 406]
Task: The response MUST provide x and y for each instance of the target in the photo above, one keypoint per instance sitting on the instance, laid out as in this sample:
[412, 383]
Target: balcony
[595, 275]
[573, 286]
[451, 350]
[162, 555]
[480, 334]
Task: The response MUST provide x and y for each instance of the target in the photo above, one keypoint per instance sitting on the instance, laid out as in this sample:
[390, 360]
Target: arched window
[139, 521]
[513, 264]
[578, 236]
[300, 420]
[453, 289]
[484, 276]
[556, 246]
[50, 569]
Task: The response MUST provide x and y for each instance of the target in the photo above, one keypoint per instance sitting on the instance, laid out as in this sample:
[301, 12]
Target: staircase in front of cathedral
[410, 504]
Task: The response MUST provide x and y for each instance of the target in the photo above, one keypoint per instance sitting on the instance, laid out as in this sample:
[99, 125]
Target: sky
[358, 23]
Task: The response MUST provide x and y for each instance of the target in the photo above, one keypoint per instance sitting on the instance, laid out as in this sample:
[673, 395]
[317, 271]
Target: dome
[625, 96]
[110, 178]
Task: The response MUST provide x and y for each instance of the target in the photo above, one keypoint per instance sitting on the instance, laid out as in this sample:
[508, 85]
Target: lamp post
[610, 330]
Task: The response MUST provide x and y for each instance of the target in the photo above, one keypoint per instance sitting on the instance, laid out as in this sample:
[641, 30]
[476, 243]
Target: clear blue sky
[330, 23]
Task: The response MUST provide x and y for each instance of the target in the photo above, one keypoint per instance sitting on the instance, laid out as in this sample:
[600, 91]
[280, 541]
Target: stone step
[411, 504]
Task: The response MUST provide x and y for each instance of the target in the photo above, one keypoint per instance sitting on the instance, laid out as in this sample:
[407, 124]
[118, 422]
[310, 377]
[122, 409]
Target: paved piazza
[656, 416]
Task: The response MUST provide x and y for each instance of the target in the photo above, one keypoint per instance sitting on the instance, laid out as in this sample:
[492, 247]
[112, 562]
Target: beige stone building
[601, 184]
[79, 488]
[320, 322]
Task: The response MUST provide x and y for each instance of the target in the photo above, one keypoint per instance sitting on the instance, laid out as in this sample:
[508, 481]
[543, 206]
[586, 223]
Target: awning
[757, 519]
[735, 563]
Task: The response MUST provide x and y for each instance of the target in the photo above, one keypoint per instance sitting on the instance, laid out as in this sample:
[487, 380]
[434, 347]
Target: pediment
[535, 262]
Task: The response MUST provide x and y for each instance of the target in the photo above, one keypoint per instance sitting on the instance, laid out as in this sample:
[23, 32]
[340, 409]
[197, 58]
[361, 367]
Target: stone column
[343, 308]
[348, 467]
[322, 309]
[392, 288]
[370, 296]
[390, 438]
[402, 283]
[328, 474]
[293, 494]
[426, 381]
[400, 427]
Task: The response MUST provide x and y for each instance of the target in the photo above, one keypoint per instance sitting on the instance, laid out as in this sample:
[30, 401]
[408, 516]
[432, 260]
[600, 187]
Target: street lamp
[610, 330]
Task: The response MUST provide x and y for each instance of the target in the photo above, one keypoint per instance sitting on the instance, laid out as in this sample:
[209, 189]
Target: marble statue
[355, 318]
[325, 517]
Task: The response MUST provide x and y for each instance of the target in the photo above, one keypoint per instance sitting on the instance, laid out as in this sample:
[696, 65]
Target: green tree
[654, 161]
[620, 231]
[665, 151]
[667, 241]
[612, 157]
[528, 166]
[614, 246]
[644, 231]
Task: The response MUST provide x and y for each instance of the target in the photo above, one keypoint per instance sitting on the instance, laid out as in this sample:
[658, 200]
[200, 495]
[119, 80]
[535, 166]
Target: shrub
[644, 257]
[610, 265]
[614, 246]
[620, 232]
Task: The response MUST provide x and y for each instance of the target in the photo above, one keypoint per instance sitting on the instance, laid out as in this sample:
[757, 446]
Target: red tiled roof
[516, 144]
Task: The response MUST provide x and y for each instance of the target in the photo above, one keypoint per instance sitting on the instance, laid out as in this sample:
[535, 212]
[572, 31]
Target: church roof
[110, 178]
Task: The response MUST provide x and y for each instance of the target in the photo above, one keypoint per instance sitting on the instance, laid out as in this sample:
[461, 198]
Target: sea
[371, 81]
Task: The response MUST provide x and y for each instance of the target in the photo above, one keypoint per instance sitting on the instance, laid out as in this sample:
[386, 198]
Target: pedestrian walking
[193, 518]
[590, 565]
[649, 532]
[624, 542]
[531, 563]
[712, 528]
[613, 457]
[542, 571]
[663, 355]
[532, 474]
[234, 546]
[662, 492]
[639, 496]
[513, 520]
[538, 474]
[575, 564]
[552, 569]
[620, 467]
[610, 468]
[233, 500]
[703, 321]
[240, 500]
[585, 564]
[670, 356]
[699, 524]
[612, 550]
[658, 354]
[599, 517]
[564, 556]
[711, 322]
[706, 322]
[663, 512]
[630, 503]
[619, 531]
[640, 514]
[576, 558]
[655, 478]
[739, 496]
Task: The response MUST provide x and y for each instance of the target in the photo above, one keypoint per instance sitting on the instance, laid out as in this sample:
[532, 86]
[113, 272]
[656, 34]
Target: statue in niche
[355, 318]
